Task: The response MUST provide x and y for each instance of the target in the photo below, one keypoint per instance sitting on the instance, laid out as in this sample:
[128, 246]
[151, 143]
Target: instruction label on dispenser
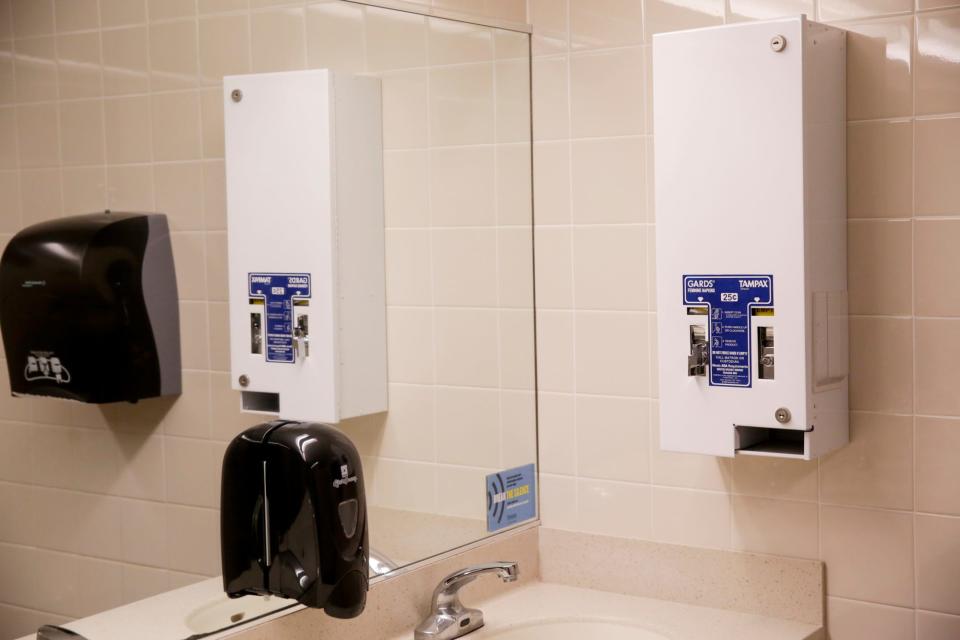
[729, 300]
[511, 497]
[278, 292]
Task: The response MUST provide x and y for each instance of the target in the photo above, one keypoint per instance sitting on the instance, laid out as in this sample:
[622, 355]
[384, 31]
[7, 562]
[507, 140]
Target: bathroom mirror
[119, 106]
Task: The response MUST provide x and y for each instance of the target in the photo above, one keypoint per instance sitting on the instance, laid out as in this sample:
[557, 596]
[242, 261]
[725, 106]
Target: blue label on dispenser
[729, 300]
[278, 292]
[511, 497]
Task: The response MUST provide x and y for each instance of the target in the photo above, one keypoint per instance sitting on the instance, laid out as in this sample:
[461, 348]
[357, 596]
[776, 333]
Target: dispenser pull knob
[699, 356]
[301, 336]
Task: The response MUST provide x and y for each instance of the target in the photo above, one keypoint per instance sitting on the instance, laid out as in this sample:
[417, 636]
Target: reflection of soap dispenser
[88, 307]
[293, 519]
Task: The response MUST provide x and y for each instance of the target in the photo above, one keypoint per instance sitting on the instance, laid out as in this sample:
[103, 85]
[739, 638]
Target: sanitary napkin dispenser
[304, 178]
[751, 239]
[88, 308]
[293, 517]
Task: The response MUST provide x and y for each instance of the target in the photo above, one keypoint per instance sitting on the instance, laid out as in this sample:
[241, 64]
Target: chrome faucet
[449, 618]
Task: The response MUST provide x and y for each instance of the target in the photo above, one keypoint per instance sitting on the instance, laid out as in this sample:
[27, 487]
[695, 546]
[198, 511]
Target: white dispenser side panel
[358, 140]
[729, 170]
[278, 151]
[826, 234]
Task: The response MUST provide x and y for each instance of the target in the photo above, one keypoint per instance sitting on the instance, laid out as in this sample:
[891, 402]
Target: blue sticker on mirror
[511, 497]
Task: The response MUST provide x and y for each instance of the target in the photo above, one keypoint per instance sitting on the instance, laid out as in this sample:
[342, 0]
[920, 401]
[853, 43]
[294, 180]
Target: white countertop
[552, 602]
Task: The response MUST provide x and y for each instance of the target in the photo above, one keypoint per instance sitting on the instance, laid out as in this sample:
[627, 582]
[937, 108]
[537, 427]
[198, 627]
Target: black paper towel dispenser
[293, 517]
[88, 308]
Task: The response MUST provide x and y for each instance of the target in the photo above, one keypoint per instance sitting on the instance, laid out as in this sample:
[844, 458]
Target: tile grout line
[431, 246]
[914, 44]
[153, 179]
[16, 120]
[200, 92]
[497, 169]
[653, 408]
[568, 57]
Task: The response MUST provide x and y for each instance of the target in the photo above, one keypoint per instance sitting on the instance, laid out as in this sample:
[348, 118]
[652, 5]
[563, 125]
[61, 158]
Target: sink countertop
[536, 601]
[166, 616]
[677, 621]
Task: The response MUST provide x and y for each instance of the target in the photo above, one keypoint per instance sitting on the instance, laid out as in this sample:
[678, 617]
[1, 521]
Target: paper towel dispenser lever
[293, 517]
[88, 308]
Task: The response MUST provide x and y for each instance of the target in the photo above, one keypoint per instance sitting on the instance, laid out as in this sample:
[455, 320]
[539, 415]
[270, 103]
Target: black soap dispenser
[293, 518]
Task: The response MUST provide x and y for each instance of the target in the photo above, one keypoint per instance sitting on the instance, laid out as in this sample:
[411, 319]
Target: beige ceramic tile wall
[117, 104]
[883, 513]
[459, 262]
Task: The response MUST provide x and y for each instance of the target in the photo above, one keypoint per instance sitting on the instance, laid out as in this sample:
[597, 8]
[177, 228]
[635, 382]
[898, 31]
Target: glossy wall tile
[879, 511]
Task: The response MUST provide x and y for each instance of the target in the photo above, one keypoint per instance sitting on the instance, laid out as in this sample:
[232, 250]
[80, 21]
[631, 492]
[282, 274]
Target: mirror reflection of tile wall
[459, 275]
[117, 104]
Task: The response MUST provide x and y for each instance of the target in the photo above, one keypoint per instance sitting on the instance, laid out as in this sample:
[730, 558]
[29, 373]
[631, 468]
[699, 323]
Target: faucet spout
[506, 571]
[449, 619]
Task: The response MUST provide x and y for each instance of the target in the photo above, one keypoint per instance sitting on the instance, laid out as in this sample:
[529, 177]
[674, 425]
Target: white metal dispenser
[304, 166]
[749, 124]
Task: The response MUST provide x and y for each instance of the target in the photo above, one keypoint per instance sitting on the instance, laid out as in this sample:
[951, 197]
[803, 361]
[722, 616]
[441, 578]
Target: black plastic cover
[88, 308]
[293, 517]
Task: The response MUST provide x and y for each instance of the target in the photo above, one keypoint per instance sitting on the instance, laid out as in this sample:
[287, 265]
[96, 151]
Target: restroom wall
[117, 103]
[883, 512]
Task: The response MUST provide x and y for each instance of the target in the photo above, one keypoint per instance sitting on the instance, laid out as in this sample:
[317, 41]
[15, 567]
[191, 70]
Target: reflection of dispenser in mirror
[304, 164]
[88, 307]
[294, 517]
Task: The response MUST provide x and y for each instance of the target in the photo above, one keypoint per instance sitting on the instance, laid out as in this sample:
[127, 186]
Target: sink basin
[578, 629]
